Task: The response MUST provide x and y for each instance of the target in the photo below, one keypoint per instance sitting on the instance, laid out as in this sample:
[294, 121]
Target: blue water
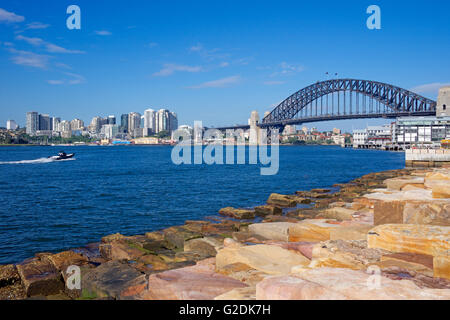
[54, 206]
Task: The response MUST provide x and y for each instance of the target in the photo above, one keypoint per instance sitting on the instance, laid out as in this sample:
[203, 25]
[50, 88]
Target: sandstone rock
[265, 258]
[422, 239]
[271, 230]
[388, 212]
[352, 232]
[113, 237]
[441, 191]
[63, 260]
[208, 246]
[177, 236]
[113, 279]
[310, 231]
[281, 200]
[15, 291]
[339, 204]
[344, 254]
[248, 293]
[231, 243]
[320, 190]
[40, 277]
[342, 284]
[153, 262]
[441, 265]
[237, 213]
[198, 282]
[266, 210]
[431, 213]
[8, 275]
[409, 261]
[338, 213]
[400, 182]
[121, 250]
[304, 248]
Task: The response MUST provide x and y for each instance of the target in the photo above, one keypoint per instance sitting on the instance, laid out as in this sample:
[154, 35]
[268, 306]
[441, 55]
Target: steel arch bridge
[341, 99]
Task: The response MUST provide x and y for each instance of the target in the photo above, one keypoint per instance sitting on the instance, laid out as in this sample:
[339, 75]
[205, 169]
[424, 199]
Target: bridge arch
[390, 102]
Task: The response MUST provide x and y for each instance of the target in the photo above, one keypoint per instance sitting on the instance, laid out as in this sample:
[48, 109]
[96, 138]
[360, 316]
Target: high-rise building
[11, 125]
[111, 120]
[55, 124]
[173, 122]
[134, 122]
[96, 124]
[150, 120]
[64, 126]
[123, 123]
[44, 122]
[110, 131]
[76, 124]
[32, 123]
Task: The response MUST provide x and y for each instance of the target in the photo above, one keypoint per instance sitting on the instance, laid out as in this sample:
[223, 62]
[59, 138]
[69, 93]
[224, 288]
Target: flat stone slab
[266, 258]
[112, 279]
[40, 277]
[342, 284]
[199, 282]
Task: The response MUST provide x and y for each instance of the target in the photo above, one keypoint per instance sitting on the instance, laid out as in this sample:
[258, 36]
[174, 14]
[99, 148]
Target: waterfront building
[336, 131]
[443, 102]
[11, 125]
[96, 125]
[109, 131]
[76, 124]
[55, 124]
[134, 124]
[123, 123]
[373, 137]
[422, 130]
[289, 130]
[150, 121]
[111, 120]
[44, 122]
[32, 123]
[173, 122]
[254, 129]
[64, 126]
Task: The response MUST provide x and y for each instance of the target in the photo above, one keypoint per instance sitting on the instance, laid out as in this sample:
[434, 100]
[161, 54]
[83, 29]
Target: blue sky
[214, 61]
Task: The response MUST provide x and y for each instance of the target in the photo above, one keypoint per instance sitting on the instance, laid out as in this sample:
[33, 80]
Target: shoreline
[197, 243]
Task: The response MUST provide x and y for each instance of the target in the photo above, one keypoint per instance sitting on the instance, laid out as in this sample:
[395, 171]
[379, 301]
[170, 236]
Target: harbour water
[51, 206]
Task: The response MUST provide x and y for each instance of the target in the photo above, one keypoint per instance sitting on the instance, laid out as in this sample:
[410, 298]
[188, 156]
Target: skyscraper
[134, 122]
[123, 123]
[55, 124]
[11, 125]
[32, 123]
[111, 119]
[44, 122]
[76, 124]
[150, 120]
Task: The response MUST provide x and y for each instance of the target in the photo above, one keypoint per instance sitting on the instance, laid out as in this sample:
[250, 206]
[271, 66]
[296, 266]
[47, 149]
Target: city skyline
[209, 74]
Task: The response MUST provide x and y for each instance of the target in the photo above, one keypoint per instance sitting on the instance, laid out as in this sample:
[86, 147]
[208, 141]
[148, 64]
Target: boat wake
[36, 161]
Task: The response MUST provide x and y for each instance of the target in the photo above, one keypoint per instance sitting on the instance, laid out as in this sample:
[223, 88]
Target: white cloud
[72, 80]
[10, 17]
[50, 47]
[273, 83]
[37, 25]
[152, 45]
[429, 88]
[29, 59]
[55, 82]
[103, 33]
[220, 83]
[224, 64]
[288, 69]
[196, 48]
[170, 69]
